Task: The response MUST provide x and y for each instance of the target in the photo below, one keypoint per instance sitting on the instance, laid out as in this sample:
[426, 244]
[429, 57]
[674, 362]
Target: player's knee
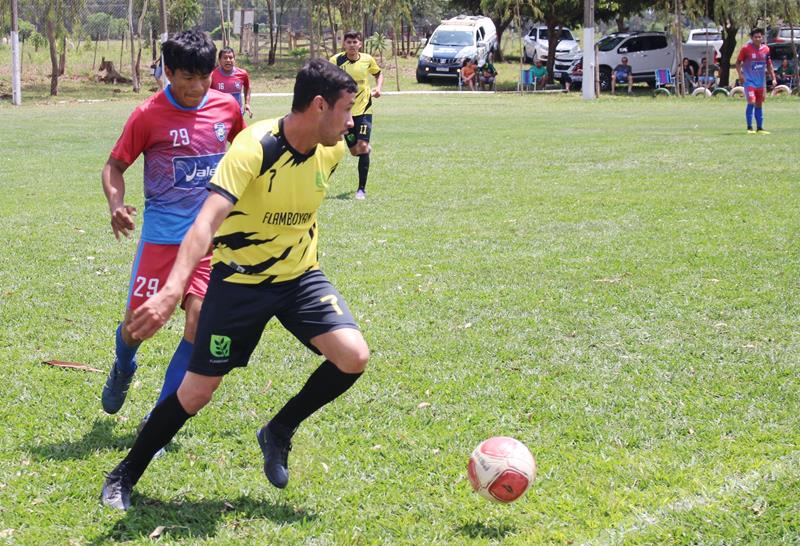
[354, 358]
[193, 398]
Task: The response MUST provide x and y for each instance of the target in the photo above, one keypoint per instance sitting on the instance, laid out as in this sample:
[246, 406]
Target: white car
[710, 37]
[536, 45]
[456, 39]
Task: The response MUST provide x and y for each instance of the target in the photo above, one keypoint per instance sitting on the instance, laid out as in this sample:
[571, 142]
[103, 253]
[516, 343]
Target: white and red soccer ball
[501, 469]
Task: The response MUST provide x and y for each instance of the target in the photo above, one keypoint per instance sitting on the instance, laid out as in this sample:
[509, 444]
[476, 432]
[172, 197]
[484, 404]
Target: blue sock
[176, 370]
[748, 114]
[759, 117]
[126, 355]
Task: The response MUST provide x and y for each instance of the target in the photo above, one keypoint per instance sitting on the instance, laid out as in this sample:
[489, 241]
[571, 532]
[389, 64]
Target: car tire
[422, 78]
[736, 91]
[720, 91]
[525, 58]
[701, 91]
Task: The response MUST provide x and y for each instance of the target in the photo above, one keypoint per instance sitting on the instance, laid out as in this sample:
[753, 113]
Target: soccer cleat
[763, 132]
[116, 389]
[275, 448]
[750, 132]
[117, 488]
[361, 195]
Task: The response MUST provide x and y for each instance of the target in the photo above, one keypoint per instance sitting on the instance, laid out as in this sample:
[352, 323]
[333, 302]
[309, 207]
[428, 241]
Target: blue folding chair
[526, 80]
[664, 81]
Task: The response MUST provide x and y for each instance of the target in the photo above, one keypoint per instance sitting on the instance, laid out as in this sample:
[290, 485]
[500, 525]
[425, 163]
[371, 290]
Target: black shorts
[361, 130]
[234, 316]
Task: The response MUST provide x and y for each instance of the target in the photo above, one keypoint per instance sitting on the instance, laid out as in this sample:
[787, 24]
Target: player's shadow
[101, 436]
[342, 196]
[188, 520]
[478, 529]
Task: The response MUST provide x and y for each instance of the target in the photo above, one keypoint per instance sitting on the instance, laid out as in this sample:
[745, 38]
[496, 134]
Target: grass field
[614, 283]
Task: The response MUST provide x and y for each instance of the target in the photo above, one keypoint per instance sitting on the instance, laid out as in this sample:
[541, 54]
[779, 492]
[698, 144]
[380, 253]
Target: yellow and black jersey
[271, 233]
[360, 71]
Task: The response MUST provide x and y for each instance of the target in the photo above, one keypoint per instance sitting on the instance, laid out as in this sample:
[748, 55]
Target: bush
[26, 30]
[299, 53]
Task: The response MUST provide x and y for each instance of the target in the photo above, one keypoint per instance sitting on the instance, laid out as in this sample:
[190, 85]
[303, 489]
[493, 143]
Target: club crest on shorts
[220, 346]
[219, 130]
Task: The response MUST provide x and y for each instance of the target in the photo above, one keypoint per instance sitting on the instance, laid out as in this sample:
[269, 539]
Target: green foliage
[97, 24]
[377, 44]
[183, 14]
[37, 40]
[216, 32]
[26, 30]
[299, 53]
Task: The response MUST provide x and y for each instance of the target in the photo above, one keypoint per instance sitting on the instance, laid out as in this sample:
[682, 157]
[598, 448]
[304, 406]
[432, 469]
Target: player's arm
[376, 71]
[155, 312]
[114, 187]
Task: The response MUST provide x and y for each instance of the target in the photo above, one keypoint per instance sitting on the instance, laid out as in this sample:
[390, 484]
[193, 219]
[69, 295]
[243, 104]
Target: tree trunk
[729, 31]
[51, 39]
[62, 56]
[620, 23]
[134, 76]
[552, 44]
[501, 26]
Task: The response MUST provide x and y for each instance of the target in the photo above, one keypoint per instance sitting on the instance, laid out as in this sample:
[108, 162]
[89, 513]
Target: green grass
[614, 283]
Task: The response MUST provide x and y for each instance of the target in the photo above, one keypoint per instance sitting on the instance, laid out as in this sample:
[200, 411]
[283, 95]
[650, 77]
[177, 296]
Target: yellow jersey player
[261, 216]
[360, 66]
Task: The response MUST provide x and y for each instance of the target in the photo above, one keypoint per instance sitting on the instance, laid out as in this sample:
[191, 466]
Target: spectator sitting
[622, 72]
[688, 74]
[539, 74]
[706, 75]
[488, 73]
[784, 73]
[468, 74]
[157, 72]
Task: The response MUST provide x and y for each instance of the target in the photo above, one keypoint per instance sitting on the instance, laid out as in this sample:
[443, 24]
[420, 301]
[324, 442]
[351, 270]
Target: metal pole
[589, 58]
[16, 88]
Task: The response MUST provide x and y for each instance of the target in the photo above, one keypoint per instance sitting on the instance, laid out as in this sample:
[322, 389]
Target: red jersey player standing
[752, 64]
[182, 132]
[229, 78]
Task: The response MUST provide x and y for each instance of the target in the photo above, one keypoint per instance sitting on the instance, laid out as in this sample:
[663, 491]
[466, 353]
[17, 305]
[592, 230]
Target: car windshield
[565, 34]
[452, 38]
[609, 42]
[703, 36]
[787, 33]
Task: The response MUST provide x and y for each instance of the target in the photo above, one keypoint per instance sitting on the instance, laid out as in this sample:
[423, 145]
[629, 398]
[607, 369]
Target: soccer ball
[501, 469]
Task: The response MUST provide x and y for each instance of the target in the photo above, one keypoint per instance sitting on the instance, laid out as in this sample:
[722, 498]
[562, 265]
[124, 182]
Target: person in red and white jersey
[231, 79]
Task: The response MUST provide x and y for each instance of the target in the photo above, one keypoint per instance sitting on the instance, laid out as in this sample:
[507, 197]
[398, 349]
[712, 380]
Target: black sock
[165, 421]
[363, 171]
[325, 385]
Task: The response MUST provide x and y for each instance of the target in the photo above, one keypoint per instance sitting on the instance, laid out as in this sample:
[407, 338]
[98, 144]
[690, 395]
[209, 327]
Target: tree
[183, 13]
[57, 18]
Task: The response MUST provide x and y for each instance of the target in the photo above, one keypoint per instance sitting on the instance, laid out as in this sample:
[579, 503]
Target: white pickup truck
[646, 53]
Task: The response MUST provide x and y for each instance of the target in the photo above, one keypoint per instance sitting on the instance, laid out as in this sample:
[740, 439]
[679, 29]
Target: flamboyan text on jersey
[287, 218]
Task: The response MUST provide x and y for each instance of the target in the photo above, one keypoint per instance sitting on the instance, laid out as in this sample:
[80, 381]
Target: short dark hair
[319, 77]
[353, 35]
[190, 50]
[756, 31]
[225, 50]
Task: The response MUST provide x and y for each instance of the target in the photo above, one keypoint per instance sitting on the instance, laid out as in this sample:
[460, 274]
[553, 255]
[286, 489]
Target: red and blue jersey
[234, 83]
[181, 148]
[754, 64]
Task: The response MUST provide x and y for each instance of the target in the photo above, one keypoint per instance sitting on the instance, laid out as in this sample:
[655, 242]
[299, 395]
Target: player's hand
[122, 220]
[774, 82]
[152, 315]
[376, 93]
[248, 110]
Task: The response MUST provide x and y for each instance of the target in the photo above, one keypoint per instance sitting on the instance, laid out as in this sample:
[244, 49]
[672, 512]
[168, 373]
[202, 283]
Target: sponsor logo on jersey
[194, 171]
[219, 130]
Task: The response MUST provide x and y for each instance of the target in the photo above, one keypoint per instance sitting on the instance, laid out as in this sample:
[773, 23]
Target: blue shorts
[234, 316]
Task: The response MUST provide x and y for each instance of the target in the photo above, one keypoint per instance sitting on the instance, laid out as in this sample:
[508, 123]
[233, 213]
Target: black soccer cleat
[116, 389]
[276, 448]
[117, 488]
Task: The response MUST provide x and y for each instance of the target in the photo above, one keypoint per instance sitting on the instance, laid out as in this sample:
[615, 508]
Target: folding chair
[526, 80]
[664, 82]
